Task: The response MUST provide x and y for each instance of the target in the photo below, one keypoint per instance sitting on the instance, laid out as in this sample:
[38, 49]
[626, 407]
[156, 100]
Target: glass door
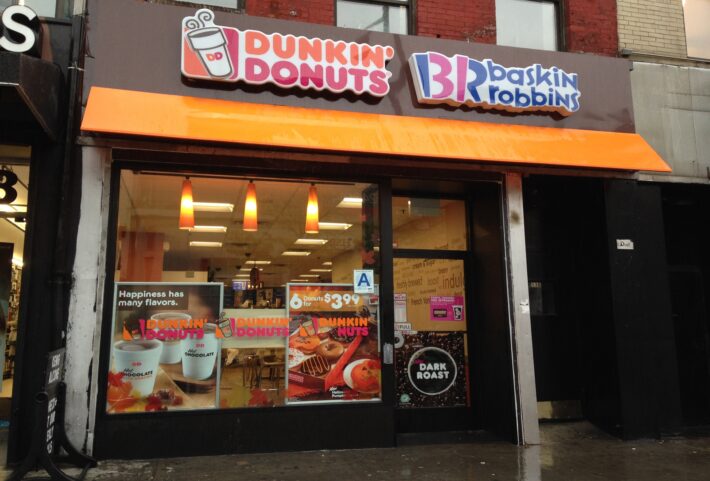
[432, 387]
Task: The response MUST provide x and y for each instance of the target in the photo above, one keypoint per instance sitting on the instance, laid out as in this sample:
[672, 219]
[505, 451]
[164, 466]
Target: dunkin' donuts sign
[225, 54]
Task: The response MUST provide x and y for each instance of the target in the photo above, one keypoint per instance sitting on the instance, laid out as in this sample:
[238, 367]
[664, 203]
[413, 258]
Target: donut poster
[333, 345]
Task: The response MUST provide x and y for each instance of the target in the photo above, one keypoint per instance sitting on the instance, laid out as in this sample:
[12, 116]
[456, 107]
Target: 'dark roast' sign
[225, 54]
[432, 371]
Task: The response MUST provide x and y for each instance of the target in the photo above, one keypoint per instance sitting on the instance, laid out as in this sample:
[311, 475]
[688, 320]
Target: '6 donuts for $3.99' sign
[318, 298]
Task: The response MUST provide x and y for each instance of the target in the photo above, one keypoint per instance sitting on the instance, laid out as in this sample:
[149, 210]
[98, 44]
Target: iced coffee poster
[333, 345]
[165, 348]
[431, 369]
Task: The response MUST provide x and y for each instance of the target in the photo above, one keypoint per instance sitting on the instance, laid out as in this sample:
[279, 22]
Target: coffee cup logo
[209, 43]
[432, 371]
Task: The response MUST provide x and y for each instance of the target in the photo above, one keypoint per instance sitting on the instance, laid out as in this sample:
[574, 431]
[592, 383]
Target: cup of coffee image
[209, 43]
[138, 361]
[199, 355]
[172, 354]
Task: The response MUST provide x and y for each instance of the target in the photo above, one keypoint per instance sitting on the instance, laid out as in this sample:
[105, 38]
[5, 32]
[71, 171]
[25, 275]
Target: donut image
[306, 344]
[331, 350]
[345, 338]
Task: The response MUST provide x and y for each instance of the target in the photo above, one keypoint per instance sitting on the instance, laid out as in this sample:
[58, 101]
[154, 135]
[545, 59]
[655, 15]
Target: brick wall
[313, 11]
[469, 20]
[590, 26]
[652, 26]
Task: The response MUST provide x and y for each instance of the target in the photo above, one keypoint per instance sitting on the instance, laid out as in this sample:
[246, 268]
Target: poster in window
[333, 345]
[430, 368]
[165, 347]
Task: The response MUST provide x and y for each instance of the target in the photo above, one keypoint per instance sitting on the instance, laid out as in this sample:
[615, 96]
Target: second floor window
[236, 4]
[527, 24]
[384, 16]
[697, 31]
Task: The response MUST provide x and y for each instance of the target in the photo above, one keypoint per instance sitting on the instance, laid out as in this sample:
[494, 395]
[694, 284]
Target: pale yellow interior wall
[343, 266]
[447, 231]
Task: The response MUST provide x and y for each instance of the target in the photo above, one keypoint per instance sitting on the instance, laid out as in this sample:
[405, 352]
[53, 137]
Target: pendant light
[187, 211]
[250, 223]
[312, 211]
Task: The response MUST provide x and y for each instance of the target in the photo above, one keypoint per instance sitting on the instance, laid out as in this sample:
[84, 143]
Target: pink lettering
[447, 86]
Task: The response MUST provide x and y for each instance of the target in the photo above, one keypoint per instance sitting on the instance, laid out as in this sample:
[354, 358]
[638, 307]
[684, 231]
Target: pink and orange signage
[225, 54]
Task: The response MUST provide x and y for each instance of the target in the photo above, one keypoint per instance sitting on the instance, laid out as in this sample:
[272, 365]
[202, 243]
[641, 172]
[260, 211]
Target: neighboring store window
[697, 33]
[391, 16]
[527, 24]
[14, 190]
[249, 309]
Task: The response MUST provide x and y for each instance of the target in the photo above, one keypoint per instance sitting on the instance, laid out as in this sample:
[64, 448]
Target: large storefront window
[236, 293]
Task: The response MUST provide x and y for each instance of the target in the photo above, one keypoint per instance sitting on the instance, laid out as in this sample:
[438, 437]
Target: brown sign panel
[137, 46]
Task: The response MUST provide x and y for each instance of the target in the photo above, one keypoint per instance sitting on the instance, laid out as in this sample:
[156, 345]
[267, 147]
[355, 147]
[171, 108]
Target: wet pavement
[569, 452]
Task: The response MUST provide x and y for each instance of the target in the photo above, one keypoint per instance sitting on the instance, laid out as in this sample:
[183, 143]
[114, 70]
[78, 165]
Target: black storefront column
[641, 310]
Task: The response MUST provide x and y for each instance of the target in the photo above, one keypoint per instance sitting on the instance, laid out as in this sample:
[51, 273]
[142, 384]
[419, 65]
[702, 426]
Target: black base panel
[447, 437]
[293, 428]
[431, 420]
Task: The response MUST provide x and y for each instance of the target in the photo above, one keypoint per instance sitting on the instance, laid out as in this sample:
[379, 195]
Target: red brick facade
[468, 20]
[312, 11]
[590, 26]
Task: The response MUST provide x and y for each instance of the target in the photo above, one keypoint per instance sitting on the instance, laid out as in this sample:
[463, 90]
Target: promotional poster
[333, 345]
[431, 370]
[165, 352]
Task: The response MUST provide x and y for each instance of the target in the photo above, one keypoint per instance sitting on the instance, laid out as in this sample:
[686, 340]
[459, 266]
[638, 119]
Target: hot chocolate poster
[165, 347]
[333, 346]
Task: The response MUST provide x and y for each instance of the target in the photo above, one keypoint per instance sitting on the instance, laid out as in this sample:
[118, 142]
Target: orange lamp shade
[187, 211]
[312, 211]
[250, 223]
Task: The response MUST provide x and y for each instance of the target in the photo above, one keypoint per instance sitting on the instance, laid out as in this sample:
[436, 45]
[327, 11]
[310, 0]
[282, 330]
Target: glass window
[217, 3]
[697, 33]
[240, 293]
[527, 24]
[379, 17]
[421, 223]
[44, 8]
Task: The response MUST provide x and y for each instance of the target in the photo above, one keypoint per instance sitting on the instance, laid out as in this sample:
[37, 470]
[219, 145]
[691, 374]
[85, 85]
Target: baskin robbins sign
[226, 54]
[461, 80]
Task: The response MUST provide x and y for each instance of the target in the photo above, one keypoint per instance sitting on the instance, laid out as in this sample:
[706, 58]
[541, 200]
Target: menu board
[165, 350]
[333, 344]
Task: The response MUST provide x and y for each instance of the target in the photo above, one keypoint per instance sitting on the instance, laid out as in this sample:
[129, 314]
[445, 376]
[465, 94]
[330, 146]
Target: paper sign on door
[446, 308]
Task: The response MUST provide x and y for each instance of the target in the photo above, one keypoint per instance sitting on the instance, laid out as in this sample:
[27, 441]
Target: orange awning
[126, 112]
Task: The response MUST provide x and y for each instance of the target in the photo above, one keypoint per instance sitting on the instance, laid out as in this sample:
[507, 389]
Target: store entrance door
[431, 268]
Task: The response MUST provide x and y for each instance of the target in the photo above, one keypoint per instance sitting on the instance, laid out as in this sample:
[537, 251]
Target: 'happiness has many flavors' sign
[461, 80]
[226, 54]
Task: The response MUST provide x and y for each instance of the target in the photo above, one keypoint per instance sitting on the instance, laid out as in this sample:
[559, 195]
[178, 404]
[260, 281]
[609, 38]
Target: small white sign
[624, 244]
[364, 281]
[403, 326]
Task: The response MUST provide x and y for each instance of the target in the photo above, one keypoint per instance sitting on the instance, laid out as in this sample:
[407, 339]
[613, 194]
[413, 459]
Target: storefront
[305, 237]
[36, 53]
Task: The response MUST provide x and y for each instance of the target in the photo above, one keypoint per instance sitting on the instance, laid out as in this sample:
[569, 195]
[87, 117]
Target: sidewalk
[570, 452]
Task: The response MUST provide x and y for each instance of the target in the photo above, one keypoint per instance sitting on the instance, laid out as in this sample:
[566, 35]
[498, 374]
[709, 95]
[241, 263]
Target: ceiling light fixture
[312, 211]
[321, 270]
[334, 226]
[311, 242]
[213, 207]
[250, 223]
[187, 212]
[308, 275]
[259, 263]
[205, 244]
[296, 253]
[298, 280]
[350, 203]
[209, 228]
[327, 263]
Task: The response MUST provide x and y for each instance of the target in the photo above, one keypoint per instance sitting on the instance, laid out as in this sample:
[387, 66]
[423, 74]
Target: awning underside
[125, 112]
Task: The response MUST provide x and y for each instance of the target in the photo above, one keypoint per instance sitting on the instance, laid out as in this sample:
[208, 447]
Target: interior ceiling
[153, 203]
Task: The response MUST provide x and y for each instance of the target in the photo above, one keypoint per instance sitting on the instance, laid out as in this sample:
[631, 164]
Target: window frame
[63, 9]
[560, 21]
[411, 12]
[706, 58]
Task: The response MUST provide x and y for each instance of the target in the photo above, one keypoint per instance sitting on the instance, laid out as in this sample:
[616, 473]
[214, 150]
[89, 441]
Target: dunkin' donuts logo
[225, 54]
[460, 80]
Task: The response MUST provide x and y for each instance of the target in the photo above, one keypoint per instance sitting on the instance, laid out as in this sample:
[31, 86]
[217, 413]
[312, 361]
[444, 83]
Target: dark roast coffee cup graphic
[432, 371]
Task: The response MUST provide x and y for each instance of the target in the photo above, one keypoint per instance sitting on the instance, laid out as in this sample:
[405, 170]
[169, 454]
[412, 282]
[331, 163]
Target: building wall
[652, 26]
[590, 27]
[672, 112]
